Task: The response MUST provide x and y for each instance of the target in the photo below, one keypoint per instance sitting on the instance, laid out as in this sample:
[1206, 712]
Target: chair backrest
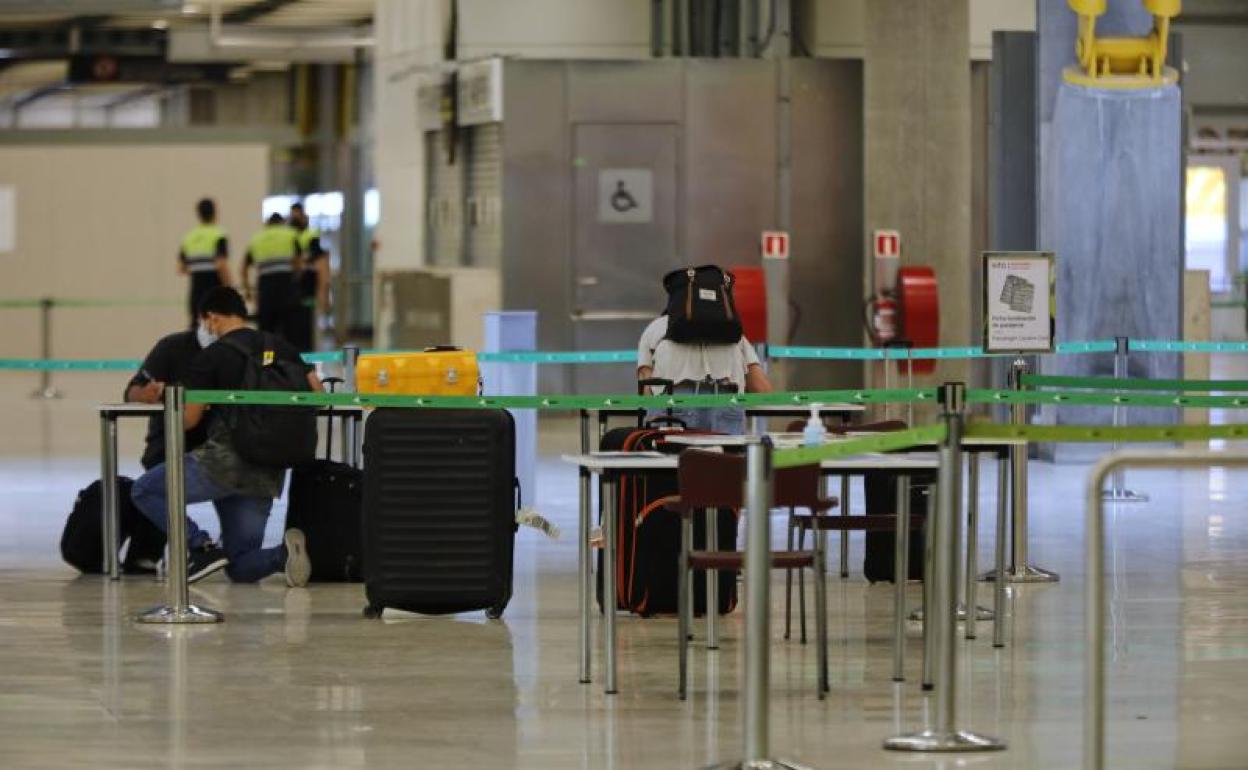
[717, 480]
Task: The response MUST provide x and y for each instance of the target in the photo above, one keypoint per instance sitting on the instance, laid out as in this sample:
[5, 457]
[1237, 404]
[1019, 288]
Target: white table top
[790, 440]
[762, 410]
[653, 461]
[136, 408]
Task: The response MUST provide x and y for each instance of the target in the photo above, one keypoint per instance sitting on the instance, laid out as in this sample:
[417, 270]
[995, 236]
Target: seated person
[702, 368]
[242, 492]
[167, 363]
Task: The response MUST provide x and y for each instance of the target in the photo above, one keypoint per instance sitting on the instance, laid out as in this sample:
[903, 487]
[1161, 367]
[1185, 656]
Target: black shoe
[204, 561]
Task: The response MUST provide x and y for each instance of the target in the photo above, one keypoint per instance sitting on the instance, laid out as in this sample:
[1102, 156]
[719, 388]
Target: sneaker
[204, 561]
[298, 565]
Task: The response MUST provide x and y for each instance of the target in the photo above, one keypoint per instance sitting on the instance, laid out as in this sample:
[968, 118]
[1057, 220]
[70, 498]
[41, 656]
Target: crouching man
[241, 491]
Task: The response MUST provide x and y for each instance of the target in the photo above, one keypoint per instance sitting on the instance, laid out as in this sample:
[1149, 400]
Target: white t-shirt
[679, 361]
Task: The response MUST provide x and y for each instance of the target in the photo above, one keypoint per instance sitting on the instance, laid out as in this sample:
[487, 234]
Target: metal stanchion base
[47, 393]
[950, 742]
[981, 613]
[1028, 574]
[192, 614]
[1123, 496]
[759, 764]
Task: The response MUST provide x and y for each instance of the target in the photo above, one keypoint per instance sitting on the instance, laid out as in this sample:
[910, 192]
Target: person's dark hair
[296, 207]
[222, 300]
[206, 209]
[276, 219]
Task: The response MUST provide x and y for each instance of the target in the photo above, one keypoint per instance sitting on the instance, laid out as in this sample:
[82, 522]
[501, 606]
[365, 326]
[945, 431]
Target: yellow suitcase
[441, 371]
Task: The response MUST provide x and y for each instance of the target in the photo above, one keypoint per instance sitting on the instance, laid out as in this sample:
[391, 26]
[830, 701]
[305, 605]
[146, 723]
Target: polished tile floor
[298, 679]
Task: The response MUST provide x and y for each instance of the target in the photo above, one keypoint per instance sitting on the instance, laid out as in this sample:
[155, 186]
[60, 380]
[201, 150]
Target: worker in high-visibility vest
[274, 252]
[204, 255]
[311, 282]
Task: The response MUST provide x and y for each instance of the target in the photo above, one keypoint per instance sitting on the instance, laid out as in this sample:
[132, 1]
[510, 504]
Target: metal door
[625, 237]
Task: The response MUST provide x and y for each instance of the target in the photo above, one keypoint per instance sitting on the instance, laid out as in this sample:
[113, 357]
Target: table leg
[608, 578]
[929, 596]
[584, 581]
[108, 489]
[901, 571]
[998, 587]
[972, 541]
[844, 533]
[712, 581]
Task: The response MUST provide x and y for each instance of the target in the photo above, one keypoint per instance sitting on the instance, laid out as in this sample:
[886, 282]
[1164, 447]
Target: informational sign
[1020, 302]
[887, 244]
[625, 195]
[775, 244]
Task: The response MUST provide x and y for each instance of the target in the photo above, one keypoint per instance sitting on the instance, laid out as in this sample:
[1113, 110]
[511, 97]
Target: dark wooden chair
[713, 480]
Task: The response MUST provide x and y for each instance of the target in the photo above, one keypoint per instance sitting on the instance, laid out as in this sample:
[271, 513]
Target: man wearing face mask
[167, 363]
[242, 492]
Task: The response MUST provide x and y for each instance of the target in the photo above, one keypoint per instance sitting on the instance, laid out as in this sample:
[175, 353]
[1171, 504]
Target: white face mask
[203, 336]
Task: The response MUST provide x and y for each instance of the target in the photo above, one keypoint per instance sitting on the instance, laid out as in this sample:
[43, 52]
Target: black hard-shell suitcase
[880, 496]
[648, 537]
[440, 500]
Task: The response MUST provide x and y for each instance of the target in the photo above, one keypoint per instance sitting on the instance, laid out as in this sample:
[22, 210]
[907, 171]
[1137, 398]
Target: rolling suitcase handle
[667, 386]
[330, 383]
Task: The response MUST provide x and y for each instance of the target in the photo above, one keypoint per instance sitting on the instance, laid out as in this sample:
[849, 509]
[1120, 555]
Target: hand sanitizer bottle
[814, 433]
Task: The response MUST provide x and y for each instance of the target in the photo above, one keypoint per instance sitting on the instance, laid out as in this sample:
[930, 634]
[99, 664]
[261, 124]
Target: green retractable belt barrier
[1103, 399]
[803, 400]
[1106, 433]
[859, 445]
[75, 365]
[1111, 383]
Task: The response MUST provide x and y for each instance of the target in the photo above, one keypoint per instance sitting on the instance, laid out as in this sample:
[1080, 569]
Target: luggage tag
[710, 295]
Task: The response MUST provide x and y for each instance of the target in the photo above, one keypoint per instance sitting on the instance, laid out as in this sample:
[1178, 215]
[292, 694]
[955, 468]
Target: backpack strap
[236, 345]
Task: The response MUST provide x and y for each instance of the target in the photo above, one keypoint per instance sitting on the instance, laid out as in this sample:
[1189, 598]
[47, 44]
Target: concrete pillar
[917, 94]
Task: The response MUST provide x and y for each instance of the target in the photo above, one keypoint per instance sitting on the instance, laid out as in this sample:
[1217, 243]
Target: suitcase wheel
[373, 611]
[494, 613]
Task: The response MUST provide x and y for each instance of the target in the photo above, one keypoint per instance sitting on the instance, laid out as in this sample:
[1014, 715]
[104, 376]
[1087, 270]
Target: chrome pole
[179, 609]
[998, 587]
[608, 578]
[943, 735]
[757, 600]
[926, 613]
[1118, 492]
[972, 541]
[1094, 597]
[350, 428]
[584, 575]
[1022, 571]
[758, 496]
[712, 582]
[108, 490]
[45, 350]
[901, 571]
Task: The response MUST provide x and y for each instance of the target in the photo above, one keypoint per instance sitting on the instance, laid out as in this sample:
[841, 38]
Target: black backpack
[82, 542]
[700, 306]
[271, 436]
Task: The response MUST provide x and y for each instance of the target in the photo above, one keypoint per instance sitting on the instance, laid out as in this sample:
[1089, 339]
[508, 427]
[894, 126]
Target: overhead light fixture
[190, 9]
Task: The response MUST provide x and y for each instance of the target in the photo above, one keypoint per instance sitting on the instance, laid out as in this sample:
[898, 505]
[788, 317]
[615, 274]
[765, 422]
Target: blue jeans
[243, 519]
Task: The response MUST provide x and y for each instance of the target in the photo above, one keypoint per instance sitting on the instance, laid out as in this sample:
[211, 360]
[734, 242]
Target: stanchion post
[1021, 571]
[901, 571]
[179, 609]
[350, 436]
[757, 725]
[45, 350]
[944, 735]
[1118, 492]
[108, 488]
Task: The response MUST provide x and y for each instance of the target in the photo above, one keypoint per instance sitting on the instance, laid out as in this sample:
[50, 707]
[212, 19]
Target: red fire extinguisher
[881, 317]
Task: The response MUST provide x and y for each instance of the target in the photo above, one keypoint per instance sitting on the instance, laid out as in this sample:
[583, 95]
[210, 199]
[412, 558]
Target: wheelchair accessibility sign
[625, 195]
